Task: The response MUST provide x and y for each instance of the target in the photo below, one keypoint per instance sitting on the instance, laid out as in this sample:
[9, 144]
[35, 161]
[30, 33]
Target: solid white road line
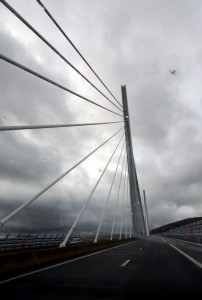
[63, 263]
[187, 256]
[125, 263]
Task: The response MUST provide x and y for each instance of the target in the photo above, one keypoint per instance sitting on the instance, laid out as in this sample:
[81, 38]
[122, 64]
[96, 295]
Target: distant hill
[174, 225]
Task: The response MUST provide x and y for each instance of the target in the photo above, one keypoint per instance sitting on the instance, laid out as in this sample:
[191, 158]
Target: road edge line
[197, 263]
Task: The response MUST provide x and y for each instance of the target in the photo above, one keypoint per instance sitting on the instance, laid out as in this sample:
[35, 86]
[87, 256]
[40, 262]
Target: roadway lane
[192, 249]
[147, 267]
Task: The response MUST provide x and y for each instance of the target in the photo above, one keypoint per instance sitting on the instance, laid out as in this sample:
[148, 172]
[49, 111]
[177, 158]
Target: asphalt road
[148, 267]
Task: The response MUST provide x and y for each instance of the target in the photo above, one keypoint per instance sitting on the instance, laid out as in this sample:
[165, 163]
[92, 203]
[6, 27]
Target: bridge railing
[17, 241]
[191, 232]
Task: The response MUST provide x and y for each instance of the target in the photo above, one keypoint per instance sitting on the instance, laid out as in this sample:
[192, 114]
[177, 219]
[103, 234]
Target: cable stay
[9, 60]
[25, 127]
[112, 231]
[75, 48]
[104, 210]
[63, 244]
[21, 207]
[54, 49]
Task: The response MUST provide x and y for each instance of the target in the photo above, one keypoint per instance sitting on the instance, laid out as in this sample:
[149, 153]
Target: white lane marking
[164, 240]
[187, 256]
[140, 249]
[125, 263]
[63, 263]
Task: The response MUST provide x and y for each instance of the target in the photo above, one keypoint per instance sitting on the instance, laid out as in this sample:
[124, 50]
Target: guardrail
[190, 232]
[17, 241]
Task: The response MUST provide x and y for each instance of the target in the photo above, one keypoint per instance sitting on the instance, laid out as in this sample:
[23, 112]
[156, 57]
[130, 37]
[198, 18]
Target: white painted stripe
[164, 240]
[187, 256]
[140, 249]
[125, 263]
[63, 263]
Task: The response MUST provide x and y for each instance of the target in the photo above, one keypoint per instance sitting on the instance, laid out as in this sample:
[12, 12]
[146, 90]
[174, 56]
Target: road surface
[148, 267]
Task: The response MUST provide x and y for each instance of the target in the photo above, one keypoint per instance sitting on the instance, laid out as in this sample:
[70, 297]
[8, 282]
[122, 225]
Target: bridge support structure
[139, 226]
[146, 214]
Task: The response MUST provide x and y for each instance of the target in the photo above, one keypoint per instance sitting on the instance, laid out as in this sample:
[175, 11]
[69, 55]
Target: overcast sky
[132, 42]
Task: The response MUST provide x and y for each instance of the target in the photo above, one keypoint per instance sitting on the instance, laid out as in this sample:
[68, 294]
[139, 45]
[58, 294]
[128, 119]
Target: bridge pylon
[139, 226]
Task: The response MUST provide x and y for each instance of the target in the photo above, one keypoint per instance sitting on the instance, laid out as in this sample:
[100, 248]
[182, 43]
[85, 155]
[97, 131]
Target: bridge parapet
[18, 241]
[191, 232]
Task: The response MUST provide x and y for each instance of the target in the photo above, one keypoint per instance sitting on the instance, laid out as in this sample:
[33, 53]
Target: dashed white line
[187, 256]
[140, 249]
[125, 263]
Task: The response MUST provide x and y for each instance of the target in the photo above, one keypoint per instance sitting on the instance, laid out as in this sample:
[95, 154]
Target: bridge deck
[148, 267]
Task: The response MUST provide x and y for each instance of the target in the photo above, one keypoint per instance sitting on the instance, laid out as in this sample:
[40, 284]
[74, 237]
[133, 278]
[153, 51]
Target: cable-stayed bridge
[128, 177]
[113, 269]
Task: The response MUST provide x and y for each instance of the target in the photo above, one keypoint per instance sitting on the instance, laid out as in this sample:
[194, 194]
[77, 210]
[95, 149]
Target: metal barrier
[17, 241]
[190, 232]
